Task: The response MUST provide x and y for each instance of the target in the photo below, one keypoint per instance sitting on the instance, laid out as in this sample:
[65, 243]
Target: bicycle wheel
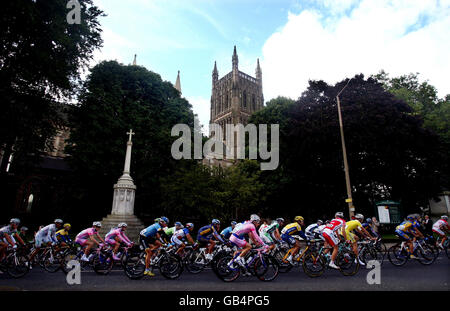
[102, 263]
[227, 271]
[193, 262]
[397, 256]
[426, 254]
[347, 263]
[170, 266]
[313, 265]
[371, 253]
[134, 266]
[447, 249]
[283, 266]
[52, 261]
[17, 266]
[67, 256]
[266, 268]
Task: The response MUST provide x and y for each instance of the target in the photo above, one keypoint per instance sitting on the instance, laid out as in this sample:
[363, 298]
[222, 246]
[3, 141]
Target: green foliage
[202, 193]
[117, 98]
[390, 154]
[40, 65]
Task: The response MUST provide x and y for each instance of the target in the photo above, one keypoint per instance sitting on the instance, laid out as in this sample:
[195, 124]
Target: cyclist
[87, 237]
[312, 231]
[46, 235]
[63, 235]
[441, 227]
[405, 230]
[150, 239]
[368, 226]
[7, 235]
[356, 226]
[270, 233]
[207, 235]
[330, 234]
[226, 233]
[168, 232]
[180, 234]
[246, 228]
[116, 236]
[287, 236]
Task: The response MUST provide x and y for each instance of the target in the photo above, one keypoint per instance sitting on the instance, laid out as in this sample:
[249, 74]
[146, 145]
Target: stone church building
[235, 97]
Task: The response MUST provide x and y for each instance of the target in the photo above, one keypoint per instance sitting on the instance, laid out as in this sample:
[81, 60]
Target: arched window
[30, 202]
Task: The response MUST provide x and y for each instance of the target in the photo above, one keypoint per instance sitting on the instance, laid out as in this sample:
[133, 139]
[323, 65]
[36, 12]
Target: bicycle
[16, 262]
[398, 254]
[368, 251]
[314, 263]
[168, 263]
[257, 263]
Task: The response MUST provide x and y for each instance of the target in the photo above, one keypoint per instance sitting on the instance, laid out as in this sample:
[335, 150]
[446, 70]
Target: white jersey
[441, 223]
[48, 233]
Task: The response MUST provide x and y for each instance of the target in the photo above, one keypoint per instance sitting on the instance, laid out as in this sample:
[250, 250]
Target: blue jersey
[207, 231]
[151, 231]
[227, 232]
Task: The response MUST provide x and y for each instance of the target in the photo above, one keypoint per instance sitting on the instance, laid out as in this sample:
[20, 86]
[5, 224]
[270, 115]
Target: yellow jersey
[291, 229]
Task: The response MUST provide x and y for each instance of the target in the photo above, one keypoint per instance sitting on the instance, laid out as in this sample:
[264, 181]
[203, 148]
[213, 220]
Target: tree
[117, 98]
[390, 154]
[41, 60]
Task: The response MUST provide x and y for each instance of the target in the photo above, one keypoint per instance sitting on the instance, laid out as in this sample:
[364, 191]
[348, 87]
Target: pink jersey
[440, 224]
[336, 224]
[117, 232]
[247, 228]
[86, 233]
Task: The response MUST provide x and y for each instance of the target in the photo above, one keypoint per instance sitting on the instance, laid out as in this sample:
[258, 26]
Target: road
[412, 276]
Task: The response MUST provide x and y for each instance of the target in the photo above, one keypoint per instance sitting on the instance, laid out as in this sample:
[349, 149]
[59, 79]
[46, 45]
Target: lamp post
[349, 200]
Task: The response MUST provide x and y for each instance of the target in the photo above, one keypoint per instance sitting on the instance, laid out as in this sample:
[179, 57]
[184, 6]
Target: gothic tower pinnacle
[178, 83]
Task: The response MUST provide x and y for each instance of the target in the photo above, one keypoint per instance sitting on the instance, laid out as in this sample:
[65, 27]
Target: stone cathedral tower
[235, 96]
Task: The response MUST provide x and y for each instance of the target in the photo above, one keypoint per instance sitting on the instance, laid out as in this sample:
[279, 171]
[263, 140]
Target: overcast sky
[295, 40]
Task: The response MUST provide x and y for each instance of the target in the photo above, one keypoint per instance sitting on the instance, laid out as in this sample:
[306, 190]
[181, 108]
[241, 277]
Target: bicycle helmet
[215, 221]
[299, 218]
[233, 223]
[67, 226]
[410, 217]
[15, 221]
[97, 224]
[190, 225]
[445, 217]
[179, 224]
[165, 219]
[58, 221]
[255, 217]
[359, 216]
[24, 228]
[157, 219]
[122, 224]
[369, 220]
[319, 222]
[280, 219]
[339, 214]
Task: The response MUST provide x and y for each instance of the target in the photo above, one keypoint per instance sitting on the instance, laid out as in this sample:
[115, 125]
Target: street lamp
[349, 200]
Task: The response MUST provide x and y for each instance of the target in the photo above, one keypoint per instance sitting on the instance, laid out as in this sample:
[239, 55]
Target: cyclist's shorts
[439, 231]
[351, 236]
[330, 237]
[237, 241]
[111, 241]
[39, 240]
[176, 241]
[402, 235]
[203, 241]
[267, 239]
[146, 241]
[82, 242]
[288, 239]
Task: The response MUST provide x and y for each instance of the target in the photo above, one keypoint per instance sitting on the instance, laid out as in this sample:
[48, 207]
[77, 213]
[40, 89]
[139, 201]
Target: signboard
[383, 214]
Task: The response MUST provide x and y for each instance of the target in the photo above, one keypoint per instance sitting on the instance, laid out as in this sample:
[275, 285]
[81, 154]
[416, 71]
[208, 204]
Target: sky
[295, 40]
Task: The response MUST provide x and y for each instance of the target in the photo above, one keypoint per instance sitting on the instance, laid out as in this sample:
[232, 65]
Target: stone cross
[131, 133]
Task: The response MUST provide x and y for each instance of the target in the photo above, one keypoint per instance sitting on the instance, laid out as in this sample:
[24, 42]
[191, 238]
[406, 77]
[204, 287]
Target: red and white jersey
[336, 224]
[441, 223]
